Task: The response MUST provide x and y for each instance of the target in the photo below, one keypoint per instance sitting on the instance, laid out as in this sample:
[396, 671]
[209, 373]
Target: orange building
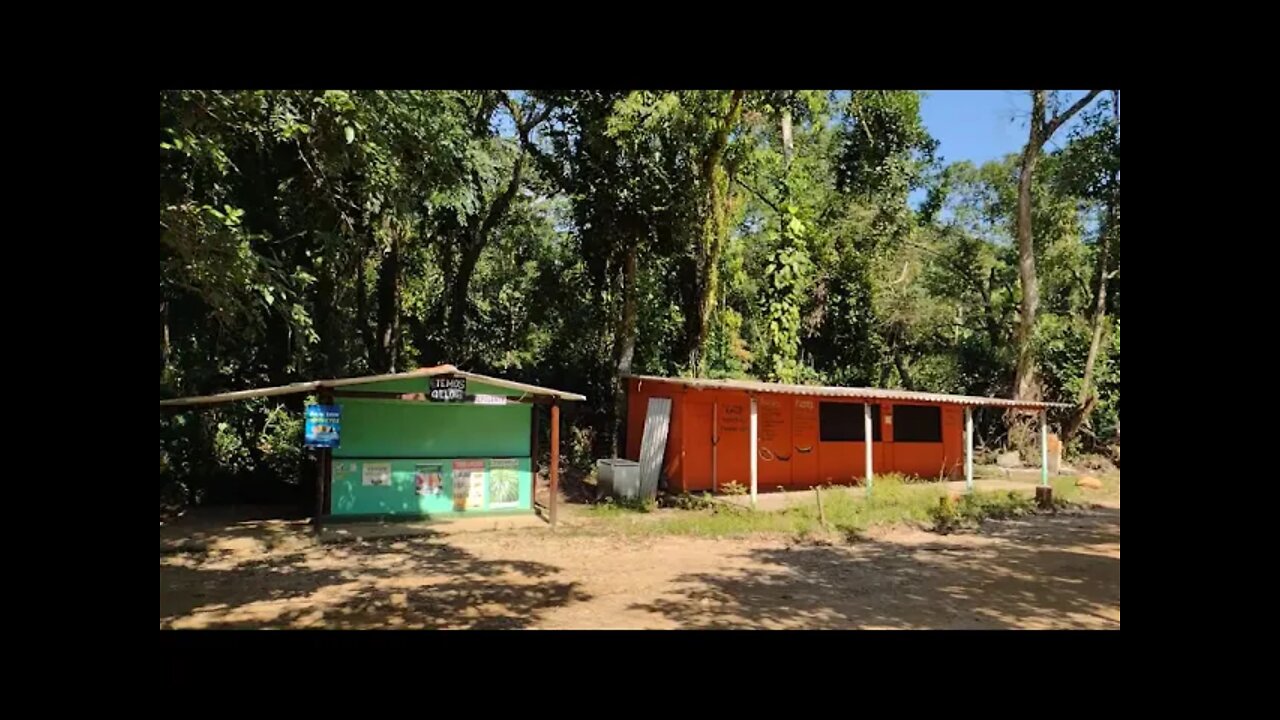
[804, 435]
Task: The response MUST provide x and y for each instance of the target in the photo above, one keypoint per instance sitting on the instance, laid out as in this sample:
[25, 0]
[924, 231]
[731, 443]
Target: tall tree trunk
[388, 293]
[995, 330]
[362, 310]
[476, 237]
[1099, 313]
[1025, 387]
[1024, 379]
[1086, 399]
[713, 230]
[904, 374]
[164, 337]
[787, 147]
[1102, 273]
[626, 348]
[787, 144]
[437, 347]
[325, 321]
[457, 340]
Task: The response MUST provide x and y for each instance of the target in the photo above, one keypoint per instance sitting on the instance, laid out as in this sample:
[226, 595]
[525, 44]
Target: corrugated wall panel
[657, 425]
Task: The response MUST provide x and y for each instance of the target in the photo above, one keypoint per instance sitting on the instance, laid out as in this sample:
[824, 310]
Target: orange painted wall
[790, 452]
[953, 439]
[697, 449]
[774, 447]
[804, 441]
[733, 423]
[927, 460]
[845, 463]
[638, 395]
[674, 465]
[637, 401]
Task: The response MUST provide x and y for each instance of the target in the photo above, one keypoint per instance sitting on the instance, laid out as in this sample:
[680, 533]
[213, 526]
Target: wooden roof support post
[968, 449]
[324, 470]
[555, 459]
[868, 436]
[755, 456]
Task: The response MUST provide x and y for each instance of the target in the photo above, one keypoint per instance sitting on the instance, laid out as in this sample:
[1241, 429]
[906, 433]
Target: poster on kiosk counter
[504, 483]
[428, 479]
[468, 485]
[376, 474]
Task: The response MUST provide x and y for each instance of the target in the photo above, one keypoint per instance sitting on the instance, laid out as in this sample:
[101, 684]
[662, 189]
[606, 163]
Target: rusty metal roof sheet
[849, 392]
[311, 386]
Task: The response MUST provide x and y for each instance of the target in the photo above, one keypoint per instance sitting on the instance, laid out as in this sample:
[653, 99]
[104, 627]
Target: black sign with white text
[448, 389]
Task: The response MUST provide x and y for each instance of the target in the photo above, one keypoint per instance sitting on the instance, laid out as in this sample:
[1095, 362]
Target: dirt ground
[1044, 572]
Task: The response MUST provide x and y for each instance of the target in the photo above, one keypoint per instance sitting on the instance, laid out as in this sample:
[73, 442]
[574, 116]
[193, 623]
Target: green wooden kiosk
[436, 442]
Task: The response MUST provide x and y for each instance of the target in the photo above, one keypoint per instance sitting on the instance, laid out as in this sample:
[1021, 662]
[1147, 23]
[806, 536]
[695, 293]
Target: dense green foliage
[564, 237]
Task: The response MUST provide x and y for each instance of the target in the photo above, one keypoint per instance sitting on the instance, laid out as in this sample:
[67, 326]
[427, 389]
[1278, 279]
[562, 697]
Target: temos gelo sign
[448, 389]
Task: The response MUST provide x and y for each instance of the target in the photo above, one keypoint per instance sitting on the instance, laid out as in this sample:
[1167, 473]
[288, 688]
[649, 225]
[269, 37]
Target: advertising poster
[376, 474]
[321, 425]
[428, 479]
[468, 484]
[504, 483]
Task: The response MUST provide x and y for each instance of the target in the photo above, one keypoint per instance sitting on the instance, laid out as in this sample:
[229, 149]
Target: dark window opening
[917, 423]
[843, 422]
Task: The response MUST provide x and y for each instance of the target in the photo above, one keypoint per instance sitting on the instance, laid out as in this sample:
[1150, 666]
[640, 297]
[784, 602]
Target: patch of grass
[612, 508]
[971, 510]
[848, 511]
[687, 501]
[1065, 488]
[722, 522]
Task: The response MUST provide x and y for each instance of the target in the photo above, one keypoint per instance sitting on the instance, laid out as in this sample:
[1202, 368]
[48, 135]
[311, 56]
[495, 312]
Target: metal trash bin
[620, 480]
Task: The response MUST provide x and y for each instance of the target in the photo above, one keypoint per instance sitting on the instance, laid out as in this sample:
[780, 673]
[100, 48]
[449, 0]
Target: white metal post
[1044, 448]
[754, 452]
[968, 449]
[868, 436]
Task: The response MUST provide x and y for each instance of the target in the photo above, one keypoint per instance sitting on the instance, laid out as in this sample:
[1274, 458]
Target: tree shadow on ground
[420, 582]
[1047, 572]
[231, 527]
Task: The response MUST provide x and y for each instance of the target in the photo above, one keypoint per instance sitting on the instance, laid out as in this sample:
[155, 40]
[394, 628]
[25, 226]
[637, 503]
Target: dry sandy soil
[1045, 572]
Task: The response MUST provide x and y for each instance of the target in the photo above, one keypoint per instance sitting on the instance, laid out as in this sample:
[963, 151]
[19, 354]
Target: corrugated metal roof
[306, 387]
[849, 392]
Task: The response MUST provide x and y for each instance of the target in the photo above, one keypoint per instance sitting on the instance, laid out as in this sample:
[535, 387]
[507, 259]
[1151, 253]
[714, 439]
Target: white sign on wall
[377, 474]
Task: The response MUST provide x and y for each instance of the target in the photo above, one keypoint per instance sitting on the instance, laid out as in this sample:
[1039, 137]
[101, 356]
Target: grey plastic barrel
[620, 479]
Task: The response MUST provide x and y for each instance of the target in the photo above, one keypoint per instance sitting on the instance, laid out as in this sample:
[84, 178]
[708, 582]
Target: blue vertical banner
[323, 423]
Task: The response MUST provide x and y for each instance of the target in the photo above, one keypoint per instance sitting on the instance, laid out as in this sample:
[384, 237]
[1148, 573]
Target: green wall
[398, 428]
[352, 497]
[407, 434]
